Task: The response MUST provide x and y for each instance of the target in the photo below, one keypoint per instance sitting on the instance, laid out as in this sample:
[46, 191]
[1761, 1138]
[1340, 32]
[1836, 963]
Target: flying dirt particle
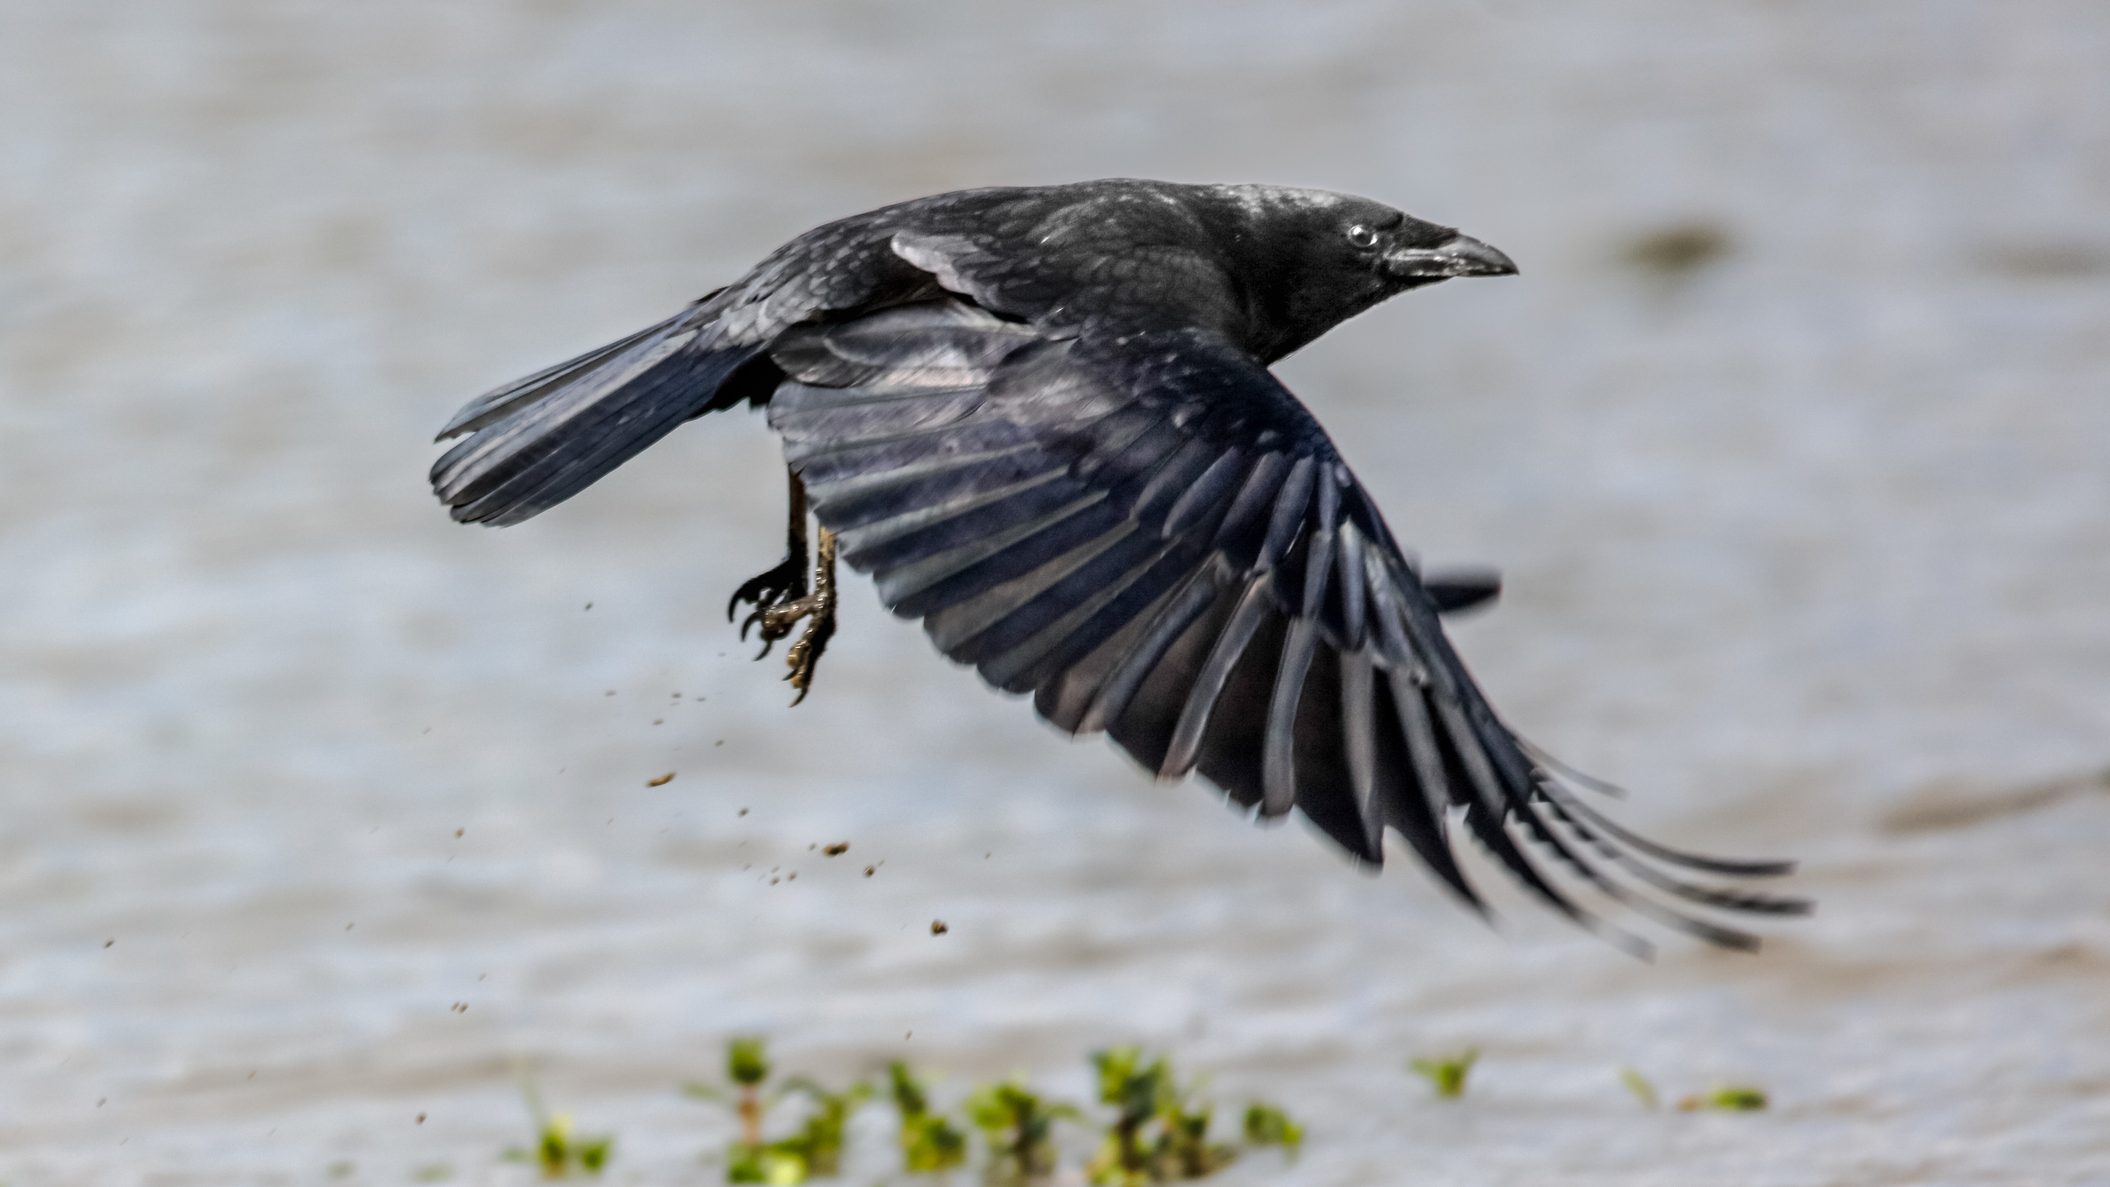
[1679, 249]
[871, 870]
[350, 926]
[100, 1101]
[458, 833]
[659, 721]
[774, 881]
[743, 811]
[589, 605]
[108, 942]
[660, 780]
[793, 876]
[719, 742]
[837, 849]
[421, 1118]
[459, 1008]
[609, 693]
[938, 928]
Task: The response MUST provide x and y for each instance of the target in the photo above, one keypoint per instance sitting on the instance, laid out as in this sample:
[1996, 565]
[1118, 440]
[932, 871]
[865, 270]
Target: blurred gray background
[1791, 441]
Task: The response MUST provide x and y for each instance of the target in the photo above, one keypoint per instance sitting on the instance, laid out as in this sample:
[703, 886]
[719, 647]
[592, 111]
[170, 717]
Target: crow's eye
[1362, 236]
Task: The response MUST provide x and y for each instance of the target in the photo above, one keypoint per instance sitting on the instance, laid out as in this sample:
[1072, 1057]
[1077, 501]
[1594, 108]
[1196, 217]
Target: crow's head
[1311, 259]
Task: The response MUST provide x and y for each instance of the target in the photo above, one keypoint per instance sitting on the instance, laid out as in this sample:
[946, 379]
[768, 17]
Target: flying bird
[1042, 419]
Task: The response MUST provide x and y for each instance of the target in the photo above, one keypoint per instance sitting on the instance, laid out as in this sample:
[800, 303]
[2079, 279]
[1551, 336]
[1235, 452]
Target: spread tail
[540, 440]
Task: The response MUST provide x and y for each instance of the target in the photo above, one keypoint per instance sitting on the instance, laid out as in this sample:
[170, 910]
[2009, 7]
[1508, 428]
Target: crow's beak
[1460, 255]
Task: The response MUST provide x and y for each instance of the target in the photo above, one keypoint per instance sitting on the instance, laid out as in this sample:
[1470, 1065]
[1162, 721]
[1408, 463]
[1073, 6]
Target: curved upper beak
[1460, 255]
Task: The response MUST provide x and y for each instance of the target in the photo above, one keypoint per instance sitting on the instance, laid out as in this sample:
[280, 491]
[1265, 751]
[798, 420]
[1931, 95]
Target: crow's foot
[768, 592]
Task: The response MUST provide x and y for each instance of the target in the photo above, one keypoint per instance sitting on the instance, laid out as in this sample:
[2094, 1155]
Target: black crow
[1042, 419]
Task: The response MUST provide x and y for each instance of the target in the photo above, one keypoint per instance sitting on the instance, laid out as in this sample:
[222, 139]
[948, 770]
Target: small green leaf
[1448, 1075]
[1732, 1098]
[746, 1061]
[1268, 1125]
[1639, 1085]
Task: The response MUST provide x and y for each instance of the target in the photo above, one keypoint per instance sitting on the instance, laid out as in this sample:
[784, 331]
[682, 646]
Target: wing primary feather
[1278, 765]
[1348, 550]
[950, 578]
[1489, 808]
[1359, 741]
[1288, 516]
[1023, 635]
[1209, 682]
[1722, 898]
[1078, 635]
[1242, 533]
[1421, 818]
[1727, 867]
[1189, 603]
[1205, 495]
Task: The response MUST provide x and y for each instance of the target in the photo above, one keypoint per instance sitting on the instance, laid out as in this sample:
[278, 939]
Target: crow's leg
[784, 584]
[818, 611]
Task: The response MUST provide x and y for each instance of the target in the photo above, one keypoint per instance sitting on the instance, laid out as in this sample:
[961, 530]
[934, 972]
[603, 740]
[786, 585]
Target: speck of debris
[812, 845]
[659, 721]
[938, 928]
[458, 833]
[793, 876]
[871, 870]
[589, 605]
[660, 780]
[252, 1075]
[100, 1101]
[837, 849]
[676, 694]
[609, 693]
[350, 926]
[421, 1118]
[743, 811]
[774, 881]
[1678, 249]
[719, 742]
[985, 856]
[459, 1007]
[108, 942]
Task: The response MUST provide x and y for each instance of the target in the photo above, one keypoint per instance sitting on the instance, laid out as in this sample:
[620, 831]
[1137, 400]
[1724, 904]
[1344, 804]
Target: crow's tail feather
[540, 440]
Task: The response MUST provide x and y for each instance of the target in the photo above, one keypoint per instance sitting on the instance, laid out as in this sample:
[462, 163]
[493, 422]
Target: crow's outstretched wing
[1152, 536]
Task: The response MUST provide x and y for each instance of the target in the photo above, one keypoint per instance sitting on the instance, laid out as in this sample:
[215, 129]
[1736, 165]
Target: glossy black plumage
[1042, 420]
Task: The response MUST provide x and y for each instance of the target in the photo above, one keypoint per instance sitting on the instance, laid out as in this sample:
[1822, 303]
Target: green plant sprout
[1138, 1092]
[1448, 1075]
[1730, 1098]
[556, 1150]
[1268, 1125]
[815, 1151]
[1018, 1127]
[1639, 1085]
[1183, 1149]
[819, 1141]
[929, 1142]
